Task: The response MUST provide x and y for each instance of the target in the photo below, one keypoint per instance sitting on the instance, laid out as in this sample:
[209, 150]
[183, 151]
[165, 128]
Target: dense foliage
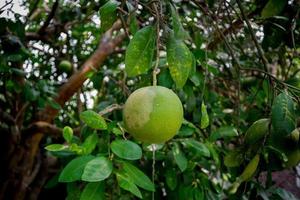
[67, 68]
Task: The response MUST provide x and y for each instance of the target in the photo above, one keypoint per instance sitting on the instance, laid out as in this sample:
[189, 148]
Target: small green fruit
[153, 114]
[65, 66]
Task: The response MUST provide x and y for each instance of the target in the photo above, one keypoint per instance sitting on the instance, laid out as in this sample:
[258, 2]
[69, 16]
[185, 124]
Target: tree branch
[259, 49]
[235, 27]
[49, 18]
[105, 48]
[42, 127]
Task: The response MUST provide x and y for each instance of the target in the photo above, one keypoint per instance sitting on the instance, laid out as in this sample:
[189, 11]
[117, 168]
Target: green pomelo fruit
[257, 131]
[65, 66]
[153, 114]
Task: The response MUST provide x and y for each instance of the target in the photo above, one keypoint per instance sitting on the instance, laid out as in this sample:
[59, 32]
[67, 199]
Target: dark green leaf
[90, 143]
[283, 115]
[73, 191]
[108, 14]
[233, 159]
[180, 60]
[126, 149]
[139, 53]
[224, 132]
[74, 169]
[179, 31]
[93, 191]
[93, 120]
[127, 184]
[171, 178]
[133, 26]
[285, 194]
[138, 177]
[272, 8]
[179, 157]
[199, 147]
[186, 131]
[97, 169]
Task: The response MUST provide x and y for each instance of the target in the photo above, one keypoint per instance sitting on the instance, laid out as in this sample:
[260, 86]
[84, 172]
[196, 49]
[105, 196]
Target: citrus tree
[148, 99]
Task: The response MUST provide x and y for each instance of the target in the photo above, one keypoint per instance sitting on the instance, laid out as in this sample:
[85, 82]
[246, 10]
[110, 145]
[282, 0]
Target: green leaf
[108, 15]
[97, 169]
[56, 147]
[285, 194]
[204, 116]
[186, 130]
[68, 133]
[272, 8]
[224, 132]
[179, 157]
[213, 152]
[93, 120]
[250, 168]
[74, 169]
[76, 148]
[180, 60]
[278, 152]
[171, 178]
[139, 53]
[283, 115]
[133, 25]
[179, 31]
[73, 191]
[257, 131]
[93, 191]
[127, 184]
[126, 149]
[90, 143]
[117, 131]
[199, 147]
[233, 159]
[138, 177]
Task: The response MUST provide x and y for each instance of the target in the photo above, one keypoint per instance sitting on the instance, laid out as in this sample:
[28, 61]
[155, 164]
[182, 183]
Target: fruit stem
[155, 70]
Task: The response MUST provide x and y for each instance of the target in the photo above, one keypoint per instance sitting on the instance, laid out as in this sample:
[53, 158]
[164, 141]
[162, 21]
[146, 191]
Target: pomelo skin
[153, 114]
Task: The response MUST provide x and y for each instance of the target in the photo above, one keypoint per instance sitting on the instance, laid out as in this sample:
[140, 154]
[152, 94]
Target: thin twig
[124, 25]
[155, 70]
[6, 4]
[235, 63]
[259, 49]
[273, 77]
[111, 108]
